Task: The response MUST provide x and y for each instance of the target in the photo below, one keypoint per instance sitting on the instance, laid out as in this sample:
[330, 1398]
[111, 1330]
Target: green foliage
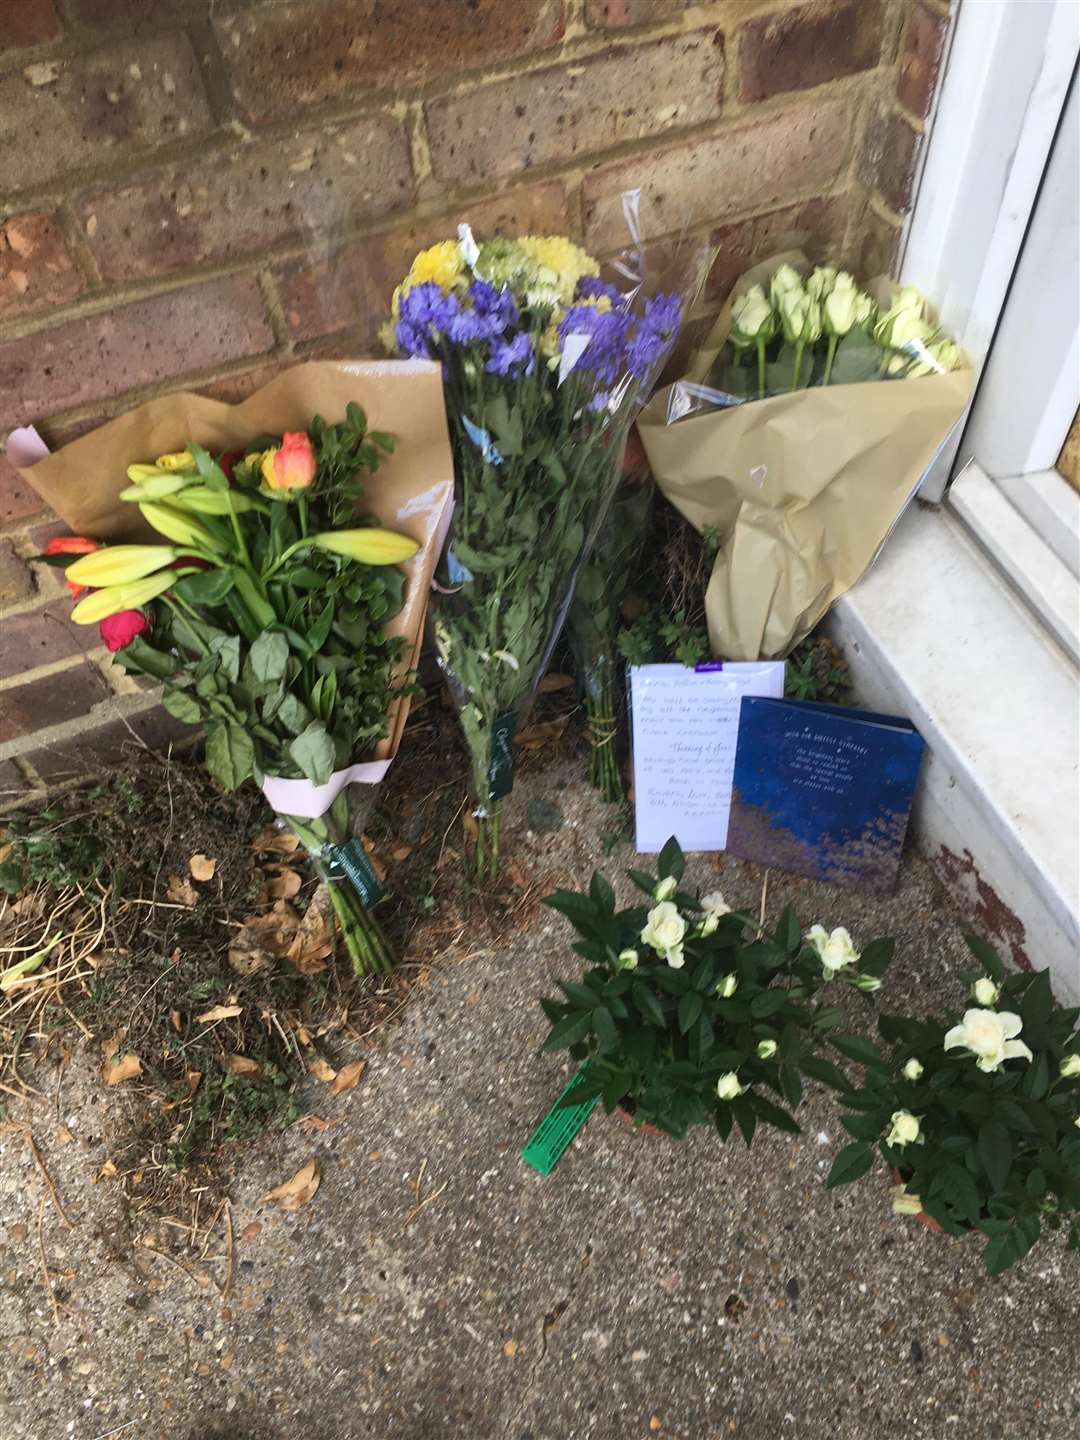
[998, 1151]
[53, 848]
[817, 671]
[655, 638]
[662, 1036]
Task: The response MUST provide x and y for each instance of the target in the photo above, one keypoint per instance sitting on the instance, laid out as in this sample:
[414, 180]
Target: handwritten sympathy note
[685, 728]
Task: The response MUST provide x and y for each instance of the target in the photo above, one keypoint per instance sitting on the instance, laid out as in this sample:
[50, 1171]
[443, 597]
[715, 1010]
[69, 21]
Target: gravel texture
[645, 1288]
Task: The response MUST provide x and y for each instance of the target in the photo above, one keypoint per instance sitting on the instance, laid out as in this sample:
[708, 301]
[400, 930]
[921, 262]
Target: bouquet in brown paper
[275, 608]
[798, 432]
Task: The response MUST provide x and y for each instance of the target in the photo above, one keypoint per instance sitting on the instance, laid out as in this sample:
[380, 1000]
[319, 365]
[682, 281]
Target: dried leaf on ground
[348, 1075]
[124, 1069]
[108, 1171]
[202, 867]
[298, 1189]
[276, 842]
[315, 1123]
[321, 1070]
[262, 939]
[243, 1065]
[554, 680]
[311, 945]
[181, 891]
[510, 1349]
[176, 1020]
[250, 1230]
[401, 852]
[281, 883]
[219, 1012]
[373, 855]
[533, 736]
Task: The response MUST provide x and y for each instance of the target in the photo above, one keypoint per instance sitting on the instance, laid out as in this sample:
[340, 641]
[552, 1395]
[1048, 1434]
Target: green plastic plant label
[353, 863]
[557, 1129]
[501, 769]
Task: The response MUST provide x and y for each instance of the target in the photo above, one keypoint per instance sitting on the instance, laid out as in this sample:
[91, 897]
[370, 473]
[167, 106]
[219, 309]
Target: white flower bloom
[794, 307]
[1076, 1122]
[990, 1036]
[839, 311]
[664, 931]
[726, 986]
[905, 1129]
[904, 1203]
[766, 1049]
[666, 888]
[628, 959]
[864, 308]
[715, 907]
[912, 1070]
[1070, 1066]
[728, 1087]
[834, 951]
[751, 316]
[985, 991]
[785, 280]
[823, 278]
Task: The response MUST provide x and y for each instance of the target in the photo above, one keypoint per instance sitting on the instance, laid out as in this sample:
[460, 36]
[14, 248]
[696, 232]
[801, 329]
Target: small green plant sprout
[689, 1013]
[977, 1113]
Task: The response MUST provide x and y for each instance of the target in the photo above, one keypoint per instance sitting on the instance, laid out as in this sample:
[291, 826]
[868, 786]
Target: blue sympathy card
[823, 790]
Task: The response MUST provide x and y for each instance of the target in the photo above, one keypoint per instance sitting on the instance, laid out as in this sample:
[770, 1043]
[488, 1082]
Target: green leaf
[568, 1032]
[143, 657]
[208, 587]
[182, 705]
[642, 881]
[824, 1071]
[230, 755]
[601, 894]
[768, 1002]
[578, 909]
[293, 714]
[851, 1164]
[857, 1047]
[581, 995]
[788, 933]
[604, 1029]
[1036, 1079]
[227, 649]
[318, 633]
[773, 1114]
[1038, 1001]
[995, 1152]
[987, 956]
[313, 750]
[877, 957]
[863, 1127]
[269, 656]
[670, 860]
[648, 1005]
[690, 1007]
[745, 1117]
[791, 1084]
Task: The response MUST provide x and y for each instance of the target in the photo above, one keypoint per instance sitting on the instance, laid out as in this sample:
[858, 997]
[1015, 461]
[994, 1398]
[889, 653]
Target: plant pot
[926, 1221]
[624, 1111]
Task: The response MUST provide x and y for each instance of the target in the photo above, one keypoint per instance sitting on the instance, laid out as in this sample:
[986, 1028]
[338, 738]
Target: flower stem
[798, 364]
[603, 762]
[760, 342]
[830, 356]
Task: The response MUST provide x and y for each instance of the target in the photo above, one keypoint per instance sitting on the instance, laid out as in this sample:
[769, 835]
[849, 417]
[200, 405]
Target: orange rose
[71, 545]
[291, 465]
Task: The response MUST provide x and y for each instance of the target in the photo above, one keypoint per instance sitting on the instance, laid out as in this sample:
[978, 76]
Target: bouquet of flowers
[977, 1114]
[689, 1014]
[263, 611]
[595, 617]
[544, 367]
[779, 439]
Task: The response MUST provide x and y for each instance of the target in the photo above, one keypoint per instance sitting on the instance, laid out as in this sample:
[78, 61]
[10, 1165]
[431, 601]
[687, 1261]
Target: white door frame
[1007, 77]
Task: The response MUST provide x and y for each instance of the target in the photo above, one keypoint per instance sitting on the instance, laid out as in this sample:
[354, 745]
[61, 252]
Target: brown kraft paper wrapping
[803, 488]
[411, 492]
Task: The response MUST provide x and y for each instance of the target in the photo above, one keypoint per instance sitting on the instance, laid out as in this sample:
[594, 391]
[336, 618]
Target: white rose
[665, 927]
[728, 1087]
[751, 316]
[715, 907]
[822, 280]
[766, 1049]
[628, 959]
[839, 311]
[727, 986]
[666, 888]
[834, 951]
[912, 1070]
[785, 281]
[675, 958]
[904, 1203]
[905, 1129]
[985, 991]
[794, 306]
[1070, 1066]
[991, 1036]
[910, 332]
[864, 308]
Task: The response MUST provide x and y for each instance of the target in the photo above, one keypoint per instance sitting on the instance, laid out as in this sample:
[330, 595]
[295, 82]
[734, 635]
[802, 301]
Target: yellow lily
[118, 564]
[153, 487]
[178, 527]
[100, 604]
[138, 473]
[372, 547]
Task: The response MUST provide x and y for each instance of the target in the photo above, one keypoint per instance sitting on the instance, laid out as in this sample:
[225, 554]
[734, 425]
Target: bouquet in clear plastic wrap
[545, 364]
[595, 617]
[268, 599]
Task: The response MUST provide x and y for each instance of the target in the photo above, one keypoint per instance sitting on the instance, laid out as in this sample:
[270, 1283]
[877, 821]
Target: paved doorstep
[721, 1292]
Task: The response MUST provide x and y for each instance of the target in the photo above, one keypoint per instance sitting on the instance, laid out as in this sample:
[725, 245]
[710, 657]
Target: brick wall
[196, 194]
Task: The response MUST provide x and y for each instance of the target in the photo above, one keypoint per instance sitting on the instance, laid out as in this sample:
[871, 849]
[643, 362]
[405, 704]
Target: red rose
[120, 629]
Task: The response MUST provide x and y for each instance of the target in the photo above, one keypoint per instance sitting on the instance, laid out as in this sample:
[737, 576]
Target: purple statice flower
[662, 314]
[653, 335]
[496, 305]
[511, 357]
[425, 313]
[606, 329]
[589, 287]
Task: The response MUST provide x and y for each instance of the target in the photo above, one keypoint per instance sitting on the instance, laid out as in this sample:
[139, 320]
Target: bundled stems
[604, 773]
[369, 950]
[485, 865]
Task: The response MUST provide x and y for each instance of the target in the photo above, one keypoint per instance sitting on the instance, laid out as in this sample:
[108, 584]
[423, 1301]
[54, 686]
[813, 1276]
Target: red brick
[18, 500]
[16, 580]
[887, 161]
[234, 388]
[36, 272]
[109, 740]
[877, 245]
[129, 13]
[140, 344]
[920, 60]
[77, 112]
[39, 637]
[248, 198]
[814, 226]
[28, 22]
[570, 110]
[752, 167]
[619, 14]
[359, 282]
[808, 45]
[50, 701]
[285, 55]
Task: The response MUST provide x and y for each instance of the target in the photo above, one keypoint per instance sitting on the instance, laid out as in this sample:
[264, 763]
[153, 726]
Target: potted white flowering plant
[977, 1114]
[688, 1013]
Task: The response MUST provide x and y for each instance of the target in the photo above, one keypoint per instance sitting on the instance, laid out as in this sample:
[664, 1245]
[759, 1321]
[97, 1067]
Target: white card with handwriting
[685, 727]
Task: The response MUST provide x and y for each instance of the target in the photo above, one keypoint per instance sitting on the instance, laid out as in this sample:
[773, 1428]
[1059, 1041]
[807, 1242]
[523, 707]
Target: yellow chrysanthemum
[560, 256]
[441, 263]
